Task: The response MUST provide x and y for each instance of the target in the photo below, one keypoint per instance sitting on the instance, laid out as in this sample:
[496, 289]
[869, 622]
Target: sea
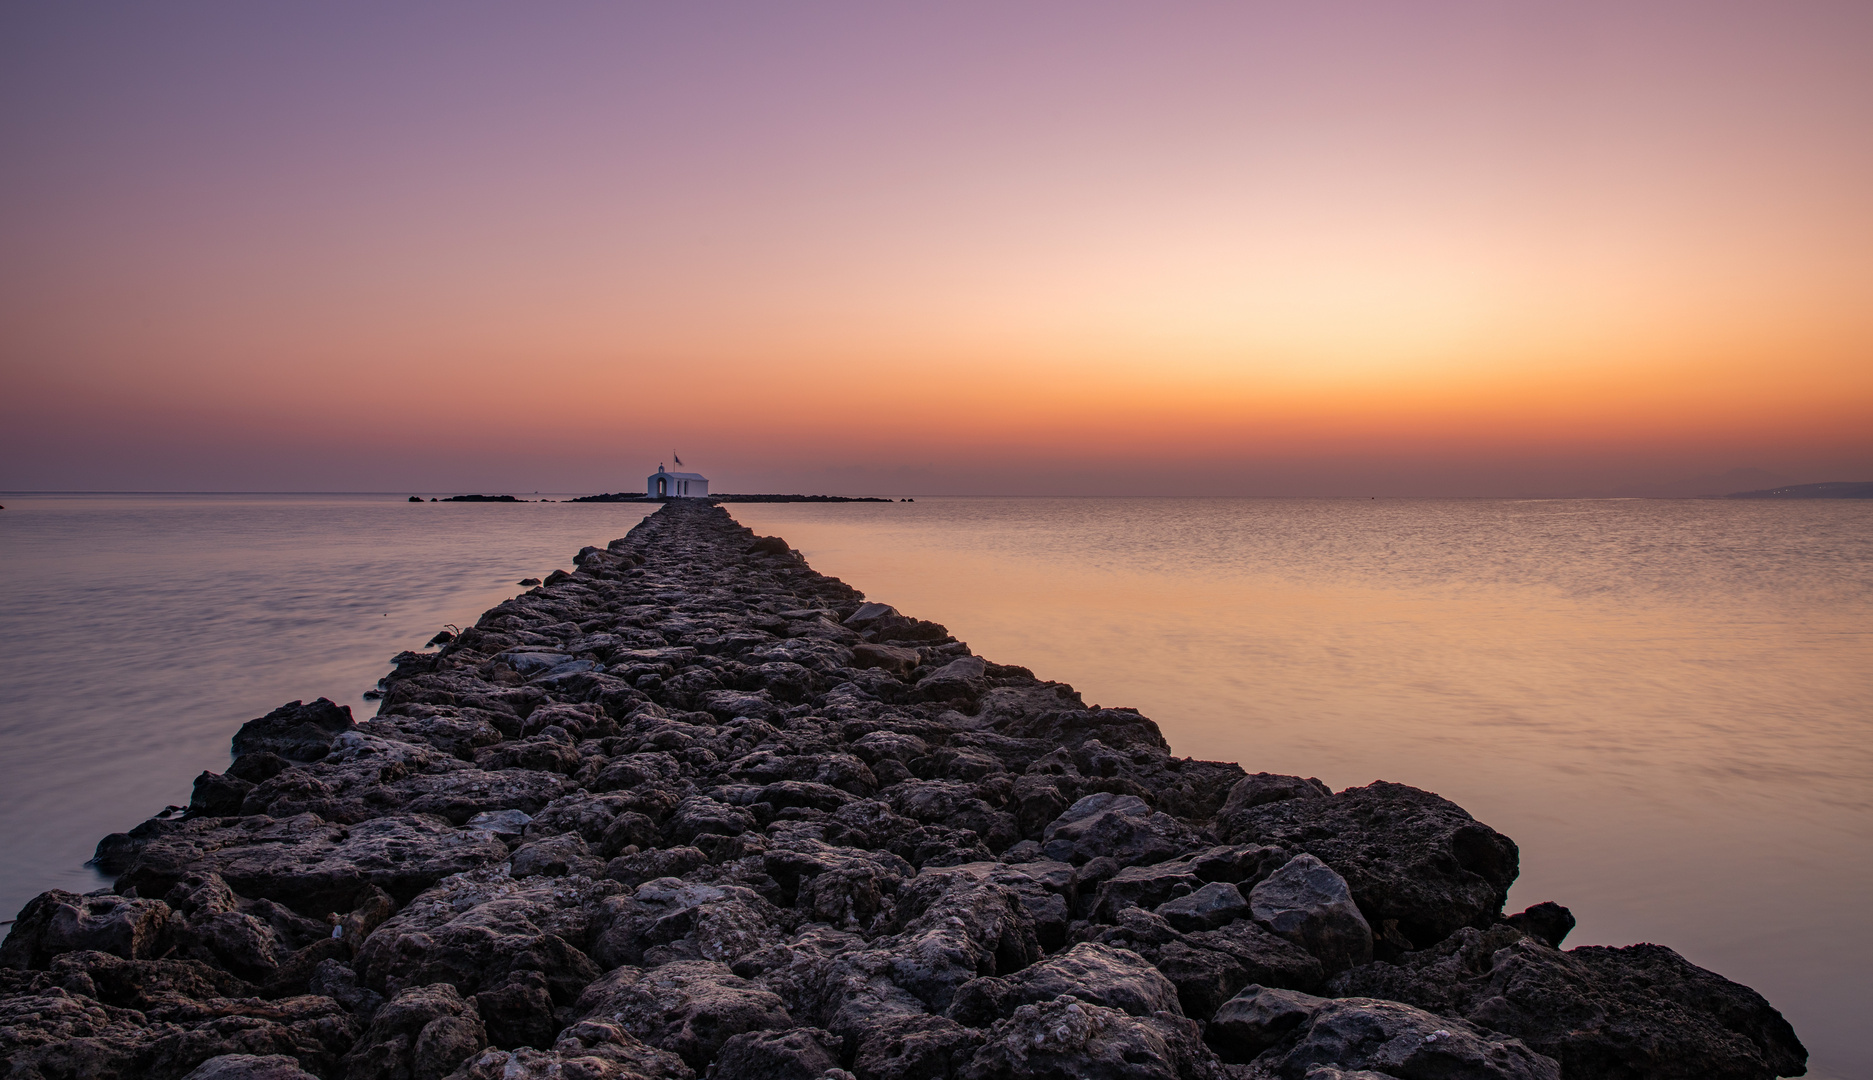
[1668, 704]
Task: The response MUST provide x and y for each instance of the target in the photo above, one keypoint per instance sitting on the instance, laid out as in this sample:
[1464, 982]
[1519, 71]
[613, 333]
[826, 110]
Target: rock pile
[696, 810]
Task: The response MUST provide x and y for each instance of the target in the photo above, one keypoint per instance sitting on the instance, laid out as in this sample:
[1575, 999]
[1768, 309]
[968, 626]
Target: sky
[1437, 248]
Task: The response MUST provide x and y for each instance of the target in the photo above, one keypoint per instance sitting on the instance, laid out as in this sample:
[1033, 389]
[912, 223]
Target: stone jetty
[695, 810]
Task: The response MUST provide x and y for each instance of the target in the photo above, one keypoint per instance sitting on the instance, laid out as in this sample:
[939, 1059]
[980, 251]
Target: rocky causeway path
[696, 810]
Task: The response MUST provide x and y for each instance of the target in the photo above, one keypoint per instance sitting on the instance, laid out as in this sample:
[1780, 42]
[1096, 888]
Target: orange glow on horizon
[1243, 237]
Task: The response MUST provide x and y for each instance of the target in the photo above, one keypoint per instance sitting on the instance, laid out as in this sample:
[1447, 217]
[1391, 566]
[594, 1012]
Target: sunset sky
[1237, 248]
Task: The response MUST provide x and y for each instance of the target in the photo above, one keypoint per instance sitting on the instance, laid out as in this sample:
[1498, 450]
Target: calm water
[1669, 705]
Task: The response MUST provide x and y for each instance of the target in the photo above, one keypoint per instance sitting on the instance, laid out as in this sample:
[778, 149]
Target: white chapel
[676, 485]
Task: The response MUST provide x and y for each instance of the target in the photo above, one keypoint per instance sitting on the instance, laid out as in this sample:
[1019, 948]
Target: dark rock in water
[1292, 1035]
[295, 730]
[529, 581]
[416, 498]
[58, 922]
[1640, 1011]
[217, 795]
[258, 767]
[1548, 921]
[307, 863]
[1407, 855]
[692, 808]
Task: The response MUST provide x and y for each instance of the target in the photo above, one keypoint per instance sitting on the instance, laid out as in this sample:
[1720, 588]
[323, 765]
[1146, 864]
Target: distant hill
[1839, 489]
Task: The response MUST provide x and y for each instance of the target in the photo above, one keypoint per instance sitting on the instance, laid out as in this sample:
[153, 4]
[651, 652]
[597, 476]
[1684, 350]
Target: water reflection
[1668, 705]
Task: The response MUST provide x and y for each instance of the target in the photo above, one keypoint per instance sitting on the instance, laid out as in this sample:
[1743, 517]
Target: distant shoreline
[1838, 489]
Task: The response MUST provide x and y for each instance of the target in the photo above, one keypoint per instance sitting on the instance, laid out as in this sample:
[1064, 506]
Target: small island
[1838, 489]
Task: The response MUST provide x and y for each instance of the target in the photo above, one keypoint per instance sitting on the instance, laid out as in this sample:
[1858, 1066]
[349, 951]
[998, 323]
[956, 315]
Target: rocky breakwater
[696, 810]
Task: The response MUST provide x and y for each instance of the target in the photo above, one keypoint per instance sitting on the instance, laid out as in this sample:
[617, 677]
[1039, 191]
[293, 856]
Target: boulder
[1207, 908]
[474, 931]
[519, 1012]
[951, 925]
[310, 864]
[802, 1053]
[1095, 974]
[313, 1031]
[689, 1008]
[1258, 1018]
[1548, 921]
[1257, 789]
[57, 922]
[916, 1047]
[250, 1067]
[963, 677]
[1310, 905]
[1123, 729]
[218, 795]
[1066, 1037]
[1640, 1011]
[585, 1051]
[669, 919]
[892, 658]
[555, 856]
[1407, 855]
[422, 1033]
[295, 730]
[1394, 1039]
[1122, 827]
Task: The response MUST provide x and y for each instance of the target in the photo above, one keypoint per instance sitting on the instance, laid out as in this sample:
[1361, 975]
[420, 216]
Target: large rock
[1154, 885]
[1257, 1018]
[689, 1008]
[669, 919]
[964, 677]
[474, 931]
[587, 1050]
[295, 730]
[58, 922]
[1207, 908]
[1258, 789]
[1122, 827]
[951, 925]
[310, 864]
[1410, 858]
[1067, 1037]
[1096, 974]
[915, 1047]
[802, 1053]
[1395, 1039]
[1640, 1011]
[1310, 905]
[250, 1067]
[423, 1033]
